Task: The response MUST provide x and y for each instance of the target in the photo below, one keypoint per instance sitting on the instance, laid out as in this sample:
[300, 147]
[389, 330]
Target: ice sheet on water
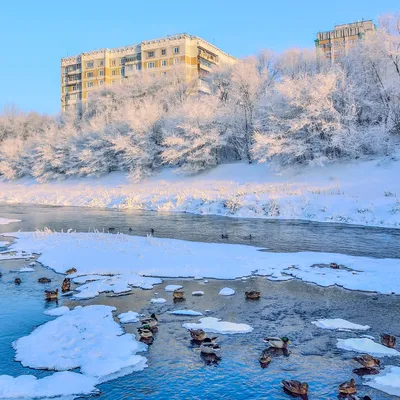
[226, 292]
[198, 293]
[26, 269]
[56, 385]
[116, 284]
[190, 313]
[215, 325]
[365, 345]
[158, 300]
[57, 312]
[128, 317]
[387, 381]
[171, 288]
[339, 324]
[120, 255]
[87, 338]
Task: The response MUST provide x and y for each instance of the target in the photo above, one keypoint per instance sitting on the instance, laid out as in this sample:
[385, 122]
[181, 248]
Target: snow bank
[128, 317]
[339, 324]
[226, 292]
[365, 193]
[171, 288]
[365, 345]
[136, 258]
[189, 313]
[158, 301]
[87, 338]
[215, 325]
[387, 381]
[57, 312]
[6, 221]
[58, 384]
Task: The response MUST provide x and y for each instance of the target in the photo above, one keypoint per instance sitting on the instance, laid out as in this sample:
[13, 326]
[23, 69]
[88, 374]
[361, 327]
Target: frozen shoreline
[134, 261]
[364, 193]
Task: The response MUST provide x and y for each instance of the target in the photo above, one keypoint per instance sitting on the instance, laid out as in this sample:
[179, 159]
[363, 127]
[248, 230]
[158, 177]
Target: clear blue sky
[34, 35]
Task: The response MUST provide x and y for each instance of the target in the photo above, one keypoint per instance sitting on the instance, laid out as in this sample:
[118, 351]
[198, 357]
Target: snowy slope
[366, 193]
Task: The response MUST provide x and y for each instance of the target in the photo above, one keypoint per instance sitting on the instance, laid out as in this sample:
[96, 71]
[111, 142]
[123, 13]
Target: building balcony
[208, 57]
[73, 71]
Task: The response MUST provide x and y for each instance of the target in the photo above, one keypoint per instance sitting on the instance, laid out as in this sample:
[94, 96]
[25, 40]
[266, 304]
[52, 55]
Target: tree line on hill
[285, 109]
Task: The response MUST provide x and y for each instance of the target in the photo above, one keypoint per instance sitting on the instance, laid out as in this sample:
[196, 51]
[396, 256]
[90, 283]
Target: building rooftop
[136, 47]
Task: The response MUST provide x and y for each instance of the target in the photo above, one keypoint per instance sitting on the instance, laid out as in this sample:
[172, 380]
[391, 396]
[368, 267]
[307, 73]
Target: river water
[176, 369]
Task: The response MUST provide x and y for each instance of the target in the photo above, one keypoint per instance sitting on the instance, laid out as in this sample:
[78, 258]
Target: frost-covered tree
[193, 137]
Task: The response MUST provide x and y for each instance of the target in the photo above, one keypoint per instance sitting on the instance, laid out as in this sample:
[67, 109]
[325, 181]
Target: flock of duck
[209, 347]
[277, 346]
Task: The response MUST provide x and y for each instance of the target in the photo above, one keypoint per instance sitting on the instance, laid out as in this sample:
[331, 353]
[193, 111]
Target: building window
[150, 54]
[101, 72]
[101, 83]
[114, 72]
[90, 84]
[176, 61]
[151, 65]
[163, 52]
[164, 63]
[176, 50]
[163, 73]
[138, 67]
[101, 63]
[89, 64]
[113, 62]
[89, 75]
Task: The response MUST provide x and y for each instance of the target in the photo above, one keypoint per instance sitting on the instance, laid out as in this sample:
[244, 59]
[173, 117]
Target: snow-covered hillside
[366, 192]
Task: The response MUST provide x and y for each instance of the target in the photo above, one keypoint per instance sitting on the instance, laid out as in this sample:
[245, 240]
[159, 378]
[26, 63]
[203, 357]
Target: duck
[197, 334]
[152, 231]
[295, 387]
[70, 271]
[252, 295]
[178, 294]
[210, 359]
[151, 321]
[368, 361]
[348, 387]
[224, 236]
[51, 294]
[265, 358]
[111, 229]
[66, 285]
[353, 397]
[145, 333]
[130, 229]
[249, 237]
[209, 346]
[334, 265]
[277, 343]
[388, 340]
[17, 281]
[44, 280]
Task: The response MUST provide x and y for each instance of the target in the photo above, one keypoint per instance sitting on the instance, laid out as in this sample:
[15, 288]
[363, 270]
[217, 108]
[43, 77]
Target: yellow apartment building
[331, 45]
[190, 56]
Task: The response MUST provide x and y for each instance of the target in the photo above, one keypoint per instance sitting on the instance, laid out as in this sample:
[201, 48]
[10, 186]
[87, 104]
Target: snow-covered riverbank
[366, 193]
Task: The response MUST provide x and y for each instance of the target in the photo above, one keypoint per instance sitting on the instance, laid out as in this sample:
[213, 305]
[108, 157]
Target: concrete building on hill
[331, 45]
[86, 72]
